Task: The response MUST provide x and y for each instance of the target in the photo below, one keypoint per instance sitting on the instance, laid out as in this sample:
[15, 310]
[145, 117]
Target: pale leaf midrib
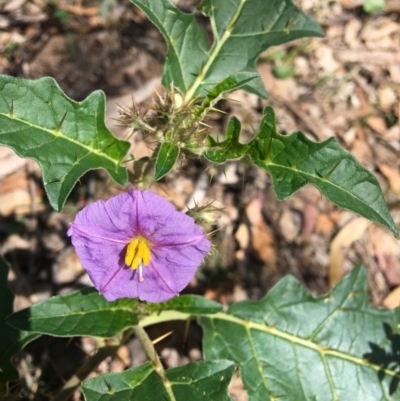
[217, 46]
[173, 315]
[380, 218]
[80, 313]
[323, 351]
[63, 136]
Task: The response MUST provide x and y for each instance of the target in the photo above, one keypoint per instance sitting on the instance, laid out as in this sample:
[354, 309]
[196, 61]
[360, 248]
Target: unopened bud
[205, 215]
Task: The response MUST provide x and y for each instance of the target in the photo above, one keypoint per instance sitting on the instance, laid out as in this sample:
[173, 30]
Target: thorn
[326, 176]
[218, 110]
[268, 158]
[206, 125]
[224, 172]
[12, 109]
[110, 389]
[53, 181]
[108, 146]
[232, 100]
[61, 122]
[186, 334]
[157, 340]
[212, 173]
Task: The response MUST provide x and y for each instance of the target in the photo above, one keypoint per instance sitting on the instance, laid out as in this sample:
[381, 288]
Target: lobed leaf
[242, 30]
[293, 346]
[230, 148]
[66, 138]
[196, 381]
[228, 85]
[81, 313]
[12, 340]
[294, 161]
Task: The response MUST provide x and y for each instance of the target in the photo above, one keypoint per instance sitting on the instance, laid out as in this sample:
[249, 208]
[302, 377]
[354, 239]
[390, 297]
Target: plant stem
[148, 347]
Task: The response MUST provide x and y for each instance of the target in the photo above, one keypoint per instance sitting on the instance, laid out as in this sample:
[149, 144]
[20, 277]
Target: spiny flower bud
[205, 215]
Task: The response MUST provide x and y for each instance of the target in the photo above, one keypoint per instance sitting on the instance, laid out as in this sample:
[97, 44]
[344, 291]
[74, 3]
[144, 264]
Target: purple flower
[137, 245]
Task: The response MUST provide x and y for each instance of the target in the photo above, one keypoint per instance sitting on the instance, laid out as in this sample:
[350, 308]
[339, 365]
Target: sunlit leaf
[205, 380]
[295, 347]
[80, 313]
[294, 161]
[242, 30]
[66, 138]
[166, 158]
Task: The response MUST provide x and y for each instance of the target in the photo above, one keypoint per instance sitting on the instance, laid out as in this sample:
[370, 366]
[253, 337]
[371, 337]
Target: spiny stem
[148, 347]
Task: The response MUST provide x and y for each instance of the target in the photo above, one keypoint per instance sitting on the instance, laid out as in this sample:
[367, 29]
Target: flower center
[138, 254]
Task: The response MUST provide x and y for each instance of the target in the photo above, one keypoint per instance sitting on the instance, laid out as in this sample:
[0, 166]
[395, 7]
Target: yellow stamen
[138, 254]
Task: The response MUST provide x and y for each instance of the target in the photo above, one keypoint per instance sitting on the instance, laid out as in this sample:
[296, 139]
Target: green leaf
[191, 304]
[82, 313]
[371, 6]
[186, 40]
[66, 138]
[195, 382]
[228, 85]
[295, 347]
[12, 340]
[283, 71]
[230, 148]
[294, 161]
[166, 158]
[242, 30]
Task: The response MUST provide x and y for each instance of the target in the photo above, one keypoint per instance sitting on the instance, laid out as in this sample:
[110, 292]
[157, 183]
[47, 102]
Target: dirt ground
[345, 85]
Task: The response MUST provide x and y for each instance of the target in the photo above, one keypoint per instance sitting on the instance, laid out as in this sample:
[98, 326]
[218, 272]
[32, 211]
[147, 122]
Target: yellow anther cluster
[138, 253]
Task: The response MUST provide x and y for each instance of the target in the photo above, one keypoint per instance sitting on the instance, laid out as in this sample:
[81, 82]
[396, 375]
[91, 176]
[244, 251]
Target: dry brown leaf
[393, 134]
[387, 98]
[14, 5]
[377, 123]
[379, 29]
[264, 244]
[289, 228]
[392, 300]
[15, 181]
[362, 151]
[124, 354]
[242, 236]
[262, 239]
[387, 252]
[351, 33]
[392, 174]
[350, 233]
[324, 224]
[383, 58]
[10, 162]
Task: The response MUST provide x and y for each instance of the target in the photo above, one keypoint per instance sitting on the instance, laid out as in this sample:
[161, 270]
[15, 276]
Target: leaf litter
[346, 84]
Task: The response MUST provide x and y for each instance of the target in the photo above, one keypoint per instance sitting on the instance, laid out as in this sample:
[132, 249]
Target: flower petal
[178, 229]
[114, 219]
[153, 213]
[100, 258]
[182, 260]
[102, 231]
